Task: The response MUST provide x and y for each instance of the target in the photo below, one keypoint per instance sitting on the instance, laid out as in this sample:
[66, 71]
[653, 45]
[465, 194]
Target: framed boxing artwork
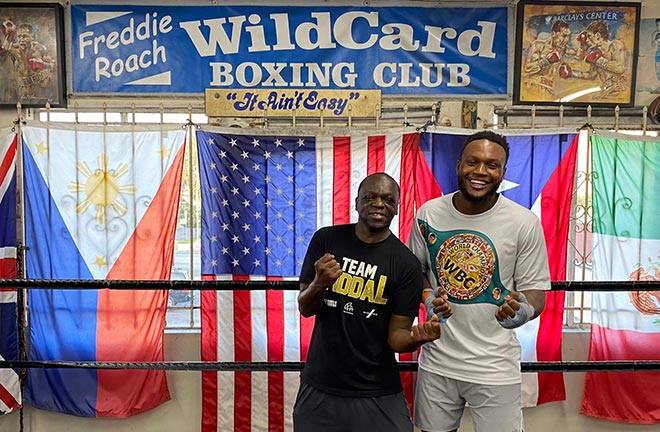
[576, 53]
[32, 55]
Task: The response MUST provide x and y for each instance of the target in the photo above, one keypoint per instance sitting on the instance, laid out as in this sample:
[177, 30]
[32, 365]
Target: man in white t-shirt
[488, 257]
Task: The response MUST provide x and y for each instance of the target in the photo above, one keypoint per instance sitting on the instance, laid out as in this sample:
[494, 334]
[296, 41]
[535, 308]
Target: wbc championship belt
[465, 265]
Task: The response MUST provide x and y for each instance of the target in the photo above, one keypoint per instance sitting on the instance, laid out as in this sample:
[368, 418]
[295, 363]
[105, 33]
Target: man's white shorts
[440, 401]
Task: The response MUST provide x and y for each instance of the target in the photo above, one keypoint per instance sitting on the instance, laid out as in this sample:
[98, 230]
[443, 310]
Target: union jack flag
[10, 390]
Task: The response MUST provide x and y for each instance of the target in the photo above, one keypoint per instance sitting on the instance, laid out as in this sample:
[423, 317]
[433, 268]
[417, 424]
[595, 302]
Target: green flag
[626, 246]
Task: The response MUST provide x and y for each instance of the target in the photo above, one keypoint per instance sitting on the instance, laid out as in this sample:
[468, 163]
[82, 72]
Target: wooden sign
[290, 102]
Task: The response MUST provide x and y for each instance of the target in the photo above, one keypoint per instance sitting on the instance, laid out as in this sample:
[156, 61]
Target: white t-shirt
[477, 258]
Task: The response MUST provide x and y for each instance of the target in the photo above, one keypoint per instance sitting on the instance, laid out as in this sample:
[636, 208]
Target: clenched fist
[327, 271]
[515, 311]
[437, 303]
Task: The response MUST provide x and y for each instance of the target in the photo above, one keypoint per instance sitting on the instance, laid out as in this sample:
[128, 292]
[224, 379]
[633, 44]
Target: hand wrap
[524, 314]
[428, 304]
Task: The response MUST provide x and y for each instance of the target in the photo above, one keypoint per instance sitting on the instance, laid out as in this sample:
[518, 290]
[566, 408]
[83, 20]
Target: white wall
[183, 412]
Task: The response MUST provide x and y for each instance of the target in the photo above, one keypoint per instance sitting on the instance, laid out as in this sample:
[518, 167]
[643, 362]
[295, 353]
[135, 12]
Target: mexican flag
[626, 239]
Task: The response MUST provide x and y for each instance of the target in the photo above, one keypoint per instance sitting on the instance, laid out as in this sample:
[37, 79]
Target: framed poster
[32, 54]
[576, 53]
[648, 63]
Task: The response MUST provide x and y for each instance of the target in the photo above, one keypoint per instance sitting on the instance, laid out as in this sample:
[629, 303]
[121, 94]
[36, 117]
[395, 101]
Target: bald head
[379, 175]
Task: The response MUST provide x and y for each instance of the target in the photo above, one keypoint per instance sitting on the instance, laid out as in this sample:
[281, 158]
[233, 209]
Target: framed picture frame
[32, 55]
[576, 52]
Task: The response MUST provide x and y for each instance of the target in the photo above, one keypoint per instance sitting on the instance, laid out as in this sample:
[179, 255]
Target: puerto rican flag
[539, 176]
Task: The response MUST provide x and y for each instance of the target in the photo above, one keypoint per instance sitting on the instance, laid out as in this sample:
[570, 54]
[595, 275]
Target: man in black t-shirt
[364, 286]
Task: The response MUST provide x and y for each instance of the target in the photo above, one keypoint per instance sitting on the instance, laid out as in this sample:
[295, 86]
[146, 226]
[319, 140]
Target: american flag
[262, 199]
[10, 391]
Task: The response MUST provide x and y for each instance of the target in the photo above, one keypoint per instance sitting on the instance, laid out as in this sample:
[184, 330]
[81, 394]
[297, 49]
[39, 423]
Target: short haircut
[26, 26]
[558, 25]
[599, 27]
[490, 136]
[398, 189]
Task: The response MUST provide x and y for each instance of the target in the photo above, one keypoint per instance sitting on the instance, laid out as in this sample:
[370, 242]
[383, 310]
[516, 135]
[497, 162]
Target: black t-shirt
[349, 354]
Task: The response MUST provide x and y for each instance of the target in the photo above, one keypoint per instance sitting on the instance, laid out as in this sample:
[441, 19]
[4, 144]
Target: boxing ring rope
[573, 366]
[506, 113]
[220, 285]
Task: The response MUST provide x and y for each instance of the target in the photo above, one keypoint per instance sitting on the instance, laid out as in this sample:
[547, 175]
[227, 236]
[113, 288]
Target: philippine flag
[539, 176]
[99, 204]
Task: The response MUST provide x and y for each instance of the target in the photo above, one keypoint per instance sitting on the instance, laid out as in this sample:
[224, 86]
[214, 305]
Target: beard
[462, 187]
